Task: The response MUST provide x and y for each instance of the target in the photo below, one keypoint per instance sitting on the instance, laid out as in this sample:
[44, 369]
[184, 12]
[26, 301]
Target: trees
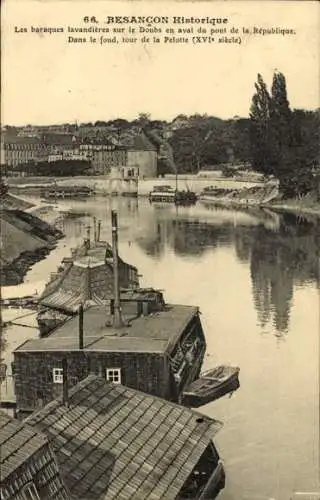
[200, 145]
[279, 142]
[281, 139]
[260, 128]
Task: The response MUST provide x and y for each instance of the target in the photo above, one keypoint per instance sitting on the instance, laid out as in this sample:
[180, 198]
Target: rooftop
[142, 143]
[7, 138]
[112, 442]
[58, 139]
[47, 138]
[88, 279]
[18, 442]
[156, 332]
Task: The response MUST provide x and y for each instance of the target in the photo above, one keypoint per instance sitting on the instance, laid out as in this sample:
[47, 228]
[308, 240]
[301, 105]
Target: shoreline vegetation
[296, 206]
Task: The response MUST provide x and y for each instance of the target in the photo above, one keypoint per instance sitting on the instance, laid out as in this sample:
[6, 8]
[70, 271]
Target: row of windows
[22, 153]
[24, 147]
[97, 147]
[112, 375]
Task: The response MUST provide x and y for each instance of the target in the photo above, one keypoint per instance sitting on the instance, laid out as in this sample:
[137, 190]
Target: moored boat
[185, 197]
[169, 195]
[162, 193]
[212, 385]
[67, 192]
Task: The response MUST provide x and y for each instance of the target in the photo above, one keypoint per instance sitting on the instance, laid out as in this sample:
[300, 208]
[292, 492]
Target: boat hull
[195, 398]
[176, 197]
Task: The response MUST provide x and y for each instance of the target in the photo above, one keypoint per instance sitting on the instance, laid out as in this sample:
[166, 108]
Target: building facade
[103, 156]
[159, 350]
[19, 150]
[143, 154]
[137, 159]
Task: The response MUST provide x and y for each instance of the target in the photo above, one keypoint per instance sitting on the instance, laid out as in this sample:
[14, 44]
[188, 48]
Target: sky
[45, 80]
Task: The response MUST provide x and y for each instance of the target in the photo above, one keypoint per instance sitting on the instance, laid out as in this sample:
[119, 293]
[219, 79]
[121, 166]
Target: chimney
[65, 382]
[99, 230]
[139, 308]
[102, 371]
[95, 229]
[145, 308]
[88, 236]
[81, 326]
[117, 321]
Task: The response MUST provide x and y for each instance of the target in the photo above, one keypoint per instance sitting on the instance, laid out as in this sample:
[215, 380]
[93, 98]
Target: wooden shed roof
[18, 442]
[157, 332]
[116, 443]
[88, 280]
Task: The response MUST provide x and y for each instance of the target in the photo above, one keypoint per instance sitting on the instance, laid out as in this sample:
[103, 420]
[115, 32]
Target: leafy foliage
[284, 143]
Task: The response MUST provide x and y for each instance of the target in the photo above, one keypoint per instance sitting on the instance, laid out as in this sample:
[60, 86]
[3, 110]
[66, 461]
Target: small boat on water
[168, 194]
[212, 385]
[67, 192]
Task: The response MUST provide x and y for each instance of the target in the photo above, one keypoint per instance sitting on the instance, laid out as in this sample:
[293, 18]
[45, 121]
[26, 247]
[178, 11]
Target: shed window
[30, 492]
[114, 375]
[58, 376]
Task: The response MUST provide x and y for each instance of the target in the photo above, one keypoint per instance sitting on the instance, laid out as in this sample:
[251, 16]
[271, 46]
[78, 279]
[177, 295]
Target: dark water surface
[255, 276]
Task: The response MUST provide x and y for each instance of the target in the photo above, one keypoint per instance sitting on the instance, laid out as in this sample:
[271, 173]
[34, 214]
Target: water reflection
[278, 261]
[282, 250]
[254, 274]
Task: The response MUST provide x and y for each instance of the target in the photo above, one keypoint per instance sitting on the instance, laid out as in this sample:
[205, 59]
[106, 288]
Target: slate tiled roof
[15, 139]
[87, 280]
[18, 442]
[116, 443]
[58, 139]
[157, 332]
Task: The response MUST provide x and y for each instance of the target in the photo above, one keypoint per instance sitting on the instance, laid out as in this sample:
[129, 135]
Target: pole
[65, 382]
[95, 229]
[81, 326]
[116, 291]
[88, 235]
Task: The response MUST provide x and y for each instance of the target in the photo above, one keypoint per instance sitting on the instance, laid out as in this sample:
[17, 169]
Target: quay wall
[193, 183]
[101, 184]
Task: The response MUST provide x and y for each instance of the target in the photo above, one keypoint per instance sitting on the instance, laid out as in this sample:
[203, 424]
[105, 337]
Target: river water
[255, 276]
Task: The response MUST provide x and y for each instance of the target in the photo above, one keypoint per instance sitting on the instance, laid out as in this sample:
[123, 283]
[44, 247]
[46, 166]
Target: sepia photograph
[160, 250]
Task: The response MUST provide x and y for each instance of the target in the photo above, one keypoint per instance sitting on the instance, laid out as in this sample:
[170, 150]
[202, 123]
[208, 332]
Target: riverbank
[216, 190]
[303, 206]
[287, 205]
[263, 196]
[25, 240]
[102, 184]
[13, 202]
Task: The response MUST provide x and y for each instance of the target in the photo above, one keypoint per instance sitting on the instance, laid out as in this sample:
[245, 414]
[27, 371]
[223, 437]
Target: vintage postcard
[160, 265]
